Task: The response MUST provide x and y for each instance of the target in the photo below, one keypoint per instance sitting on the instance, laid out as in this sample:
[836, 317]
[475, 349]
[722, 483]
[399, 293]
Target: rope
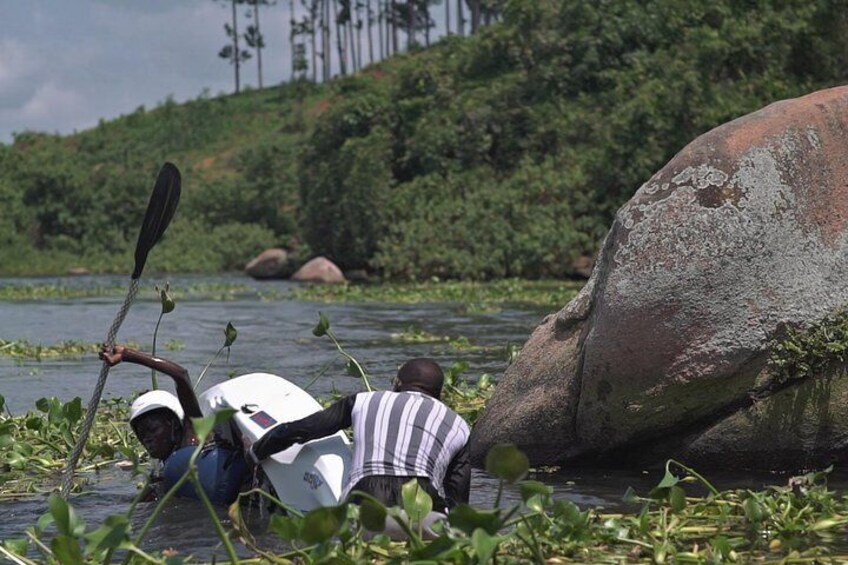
[88, 423]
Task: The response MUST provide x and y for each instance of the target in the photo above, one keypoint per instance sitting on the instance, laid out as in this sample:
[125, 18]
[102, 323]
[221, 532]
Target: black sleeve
[458, 478]
[317, 425]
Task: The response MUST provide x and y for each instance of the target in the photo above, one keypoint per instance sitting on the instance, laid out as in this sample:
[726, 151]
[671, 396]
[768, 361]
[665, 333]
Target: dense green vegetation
[499, 155]
[684, 519]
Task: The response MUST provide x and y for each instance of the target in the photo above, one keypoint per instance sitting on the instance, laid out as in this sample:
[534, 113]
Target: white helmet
[154, 400]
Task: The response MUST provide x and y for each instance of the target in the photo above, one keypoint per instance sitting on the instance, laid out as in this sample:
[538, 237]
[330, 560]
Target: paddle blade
[160, 210]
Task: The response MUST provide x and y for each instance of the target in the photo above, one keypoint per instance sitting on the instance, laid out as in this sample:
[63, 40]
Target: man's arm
[457, 481]
[185, 392]
[317, 425]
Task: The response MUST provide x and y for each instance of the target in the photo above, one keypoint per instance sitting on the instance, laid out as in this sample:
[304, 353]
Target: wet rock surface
[664, 353]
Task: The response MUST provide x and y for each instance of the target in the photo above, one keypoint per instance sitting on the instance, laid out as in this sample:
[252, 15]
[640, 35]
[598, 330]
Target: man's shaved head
[420, 375]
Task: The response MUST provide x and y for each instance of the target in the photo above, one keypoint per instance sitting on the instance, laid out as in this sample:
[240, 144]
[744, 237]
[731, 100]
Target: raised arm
[185, 392]
[317, 425]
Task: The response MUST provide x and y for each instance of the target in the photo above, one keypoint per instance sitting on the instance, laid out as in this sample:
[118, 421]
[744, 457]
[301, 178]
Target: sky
[65, 64]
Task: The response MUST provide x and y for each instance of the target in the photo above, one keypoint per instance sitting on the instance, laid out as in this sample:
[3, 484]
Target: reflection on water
[274, 336]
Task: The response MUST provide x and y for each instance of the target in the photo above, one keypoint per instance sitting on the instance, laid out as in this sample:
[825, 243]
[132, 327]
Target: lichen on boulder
[665, 351]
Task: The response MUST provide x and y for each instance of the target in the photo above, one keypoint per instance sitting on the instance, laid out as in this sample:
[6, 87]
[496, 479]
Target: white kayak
[303, 476]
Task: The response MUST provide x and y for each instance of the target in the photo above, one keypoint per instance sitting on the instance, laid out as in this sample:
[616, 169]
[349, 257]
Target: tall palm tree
[340, 40]
[233, 53]
[474, 6]
[257, 41]
[313, 16]
[369, 18]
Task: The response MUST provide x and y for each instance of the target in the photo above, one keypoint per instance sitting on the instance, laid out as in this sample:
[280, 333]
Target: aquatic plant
[806, 352]
[23, 349]
[230, 335]
[34, 446]
[476, 296]
[198, 290]
[167, 306]
[354, 368]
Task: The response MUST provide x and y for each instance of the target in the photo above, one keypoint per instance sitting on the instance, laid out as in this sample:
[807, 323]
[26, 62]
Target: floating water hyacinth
[230, 335]
[168, 305]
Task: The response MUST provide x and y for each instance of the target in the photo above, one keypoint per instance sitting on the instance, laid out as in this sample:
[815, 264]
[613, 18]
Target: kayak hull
[304, 476]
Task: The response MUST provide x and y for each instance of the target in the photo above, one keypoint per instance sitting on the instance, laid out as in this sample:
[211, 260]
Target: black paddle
[160, 210]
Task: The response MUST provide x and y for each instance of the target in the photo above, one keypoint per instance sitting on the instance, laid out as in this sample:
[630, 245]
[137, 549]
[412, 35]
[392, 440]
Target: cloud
[17, 64]
[51, 102]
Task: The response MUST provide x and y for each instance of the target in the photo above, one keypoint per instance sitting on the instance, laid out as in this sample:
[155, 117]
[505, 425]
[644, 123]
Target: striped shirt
[396, 434]
[404, 434]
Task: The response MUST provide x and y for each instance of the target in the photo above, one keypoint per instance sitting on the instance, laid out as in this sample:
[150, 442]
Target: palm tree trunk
[460, 18]
[259, 40]
[351, 37]
[447, 17]
[340, 43]
[313, 12]
[410, 24]
[369, 16]
[325, 33]
[236, 53]
[393, 14]
[380, 15]
[291, 39]
[358, 35]
[426, 7]
[475, 15]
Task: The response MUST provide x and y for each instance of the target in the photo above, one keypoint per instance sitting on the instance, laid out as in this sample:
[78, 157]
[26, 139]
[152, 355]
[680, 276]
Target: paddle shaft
[160, 209]
[68, 473]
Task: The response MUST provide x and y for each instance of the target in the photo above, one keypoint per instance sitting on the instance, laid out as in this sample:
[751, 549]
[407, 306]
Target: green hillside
[502, 154]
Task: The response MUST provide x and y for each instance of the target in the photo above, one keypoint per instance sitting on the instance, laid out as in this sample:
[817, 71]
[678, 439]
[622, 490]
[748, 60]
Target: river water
[274, 335]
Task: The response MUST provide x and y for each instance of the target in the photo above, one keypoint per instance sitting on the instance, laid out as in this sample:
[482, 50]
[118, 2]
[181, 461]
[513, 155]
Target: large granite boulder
[319, 270]
[665, 351]
[273, 263]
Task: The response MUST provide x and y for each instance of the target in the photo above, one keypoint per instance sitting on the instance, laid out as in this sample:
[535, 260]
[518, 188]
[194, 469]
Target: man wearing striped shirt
[398, 435]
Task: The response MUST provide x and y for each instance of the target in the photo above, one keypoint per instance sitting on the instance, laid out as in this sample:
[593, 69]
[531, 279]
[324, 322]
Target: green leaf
[630, 496]
[467, 519]
[372, 514]
[2, 402]
[321, 524]
[61, 512]
[113, 532]
[507, 462]
[568, 512]
[166, 300]
[203, 426]
[323, 325]
[42, 404]
[484, 545]
[677, 498]
[531, 488]
[669, 480]
[17, 546]
[286, 528]
[535, 503]
[721, 546]
[66, 549]
[416, 502]
[437, 550]
[753, 510]
[73, 410]
[353, 369]
[44, 522]
[230, 334]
